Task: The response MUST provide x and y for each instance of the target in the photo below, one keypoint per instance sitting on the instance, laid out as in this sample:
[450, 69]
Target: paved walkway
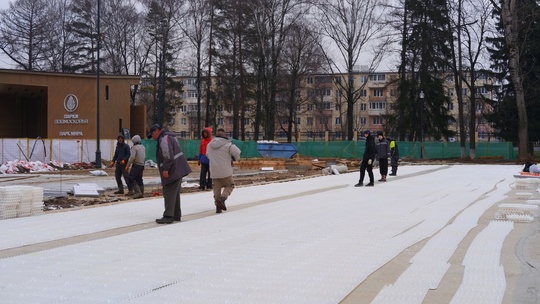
[427, 235]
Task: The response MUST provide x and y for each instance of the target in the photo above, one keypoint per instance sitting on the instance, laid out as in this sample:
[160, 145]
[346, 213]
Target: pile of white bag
[20, 201]
[15, 166]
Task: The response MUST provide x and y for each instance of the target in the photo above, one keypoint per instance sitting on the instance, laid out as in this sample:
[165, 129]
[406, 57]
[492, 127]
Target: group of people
[129, 163]
[216, 156]
[384, 150]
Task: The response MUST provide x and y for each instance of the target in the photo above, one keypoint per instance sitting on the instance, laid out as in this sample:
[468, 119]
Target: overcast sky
[389, 64]
[4, 4]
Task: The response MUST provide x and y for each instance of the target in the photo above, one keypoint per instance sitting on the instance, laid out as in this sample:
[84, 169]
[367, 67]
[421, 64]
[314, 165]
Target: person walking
[120, 159]
[367, 161]
[383, 154]
[394, 156]
[205, 181]
[222, 152]
[173, 166]
[136, 162]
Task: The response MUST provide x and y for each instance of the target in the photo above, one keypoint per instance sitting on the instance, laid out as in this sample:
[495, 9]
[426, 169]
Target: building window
[220, 121]
[310, 80]
[338, 121]
[363, 93]
[183, 121]
[191, 93]
[450, 106]
[298, 120]
[377, 77]
[377, 120]
[324, 120]
[363, 107]
[338, 107]
[246, 121]
[377, 92]
[377, 105]
[309, 121]
[363, 120]
[310, 107]
[363, 79]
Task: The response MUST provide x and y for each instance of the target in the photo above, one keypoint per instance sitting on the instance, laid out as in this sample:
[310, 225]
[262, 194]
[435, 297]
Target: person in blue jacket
[122, 152]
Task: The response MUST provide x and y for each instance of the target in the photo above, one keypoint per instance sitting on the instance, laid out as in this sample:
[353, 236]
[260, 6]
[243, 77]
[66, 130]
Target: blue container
[276, 150]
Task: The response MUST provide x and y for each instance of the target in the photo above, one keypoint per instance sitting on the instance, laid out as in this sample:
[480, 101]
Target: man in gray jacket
[136, 161]
[173, 166]
[222, 152]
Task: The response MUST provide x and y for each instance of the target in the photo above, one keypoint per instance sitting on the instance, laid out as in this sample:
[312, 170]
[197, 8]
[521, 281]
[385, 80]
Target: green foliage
[504, 116]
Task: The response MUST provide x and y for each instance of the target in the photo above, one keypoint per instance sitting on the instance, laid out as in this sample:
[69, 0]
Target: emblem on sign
[71, 103]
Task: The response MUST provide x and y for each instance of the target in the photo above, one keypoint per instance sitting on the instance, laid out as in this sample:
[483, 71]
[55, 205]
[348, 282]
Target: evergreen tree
[504, 117]
[425, 56]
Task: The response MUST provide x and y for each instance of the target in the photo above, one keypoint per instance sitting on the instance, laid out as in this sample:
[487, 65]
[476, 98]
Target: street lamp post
[98, 151]
[421, 114]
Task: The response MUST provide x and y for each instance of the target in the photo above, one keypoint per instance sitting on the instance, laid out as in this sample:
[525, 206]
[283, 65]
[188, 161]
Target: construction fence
[84, 151]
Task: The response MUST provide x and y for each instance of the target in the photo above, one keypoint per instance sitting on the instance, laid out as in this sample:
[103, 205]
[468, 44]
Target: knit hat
[136, 139]
[380, 133]
[367, 132]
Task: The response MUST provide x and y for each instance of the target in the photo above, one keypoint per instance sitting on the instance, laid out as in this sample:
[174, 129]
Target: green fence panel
[355, 149]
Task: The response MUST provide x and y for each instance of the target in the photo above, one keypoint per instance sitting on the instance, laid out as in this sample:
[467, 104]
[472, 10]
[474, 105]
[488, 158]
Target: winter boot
[137, 192]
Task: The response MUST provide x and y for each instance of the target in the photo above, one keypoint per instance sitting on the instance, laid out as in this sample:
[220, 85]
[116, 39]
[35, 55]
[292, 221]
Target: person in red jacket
[205, 181]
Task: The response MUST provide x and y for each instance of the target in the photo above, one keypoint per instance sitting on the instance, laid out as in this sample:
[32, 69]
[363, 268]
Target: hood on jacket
[207, 130]
[218, 142]
[136, 139]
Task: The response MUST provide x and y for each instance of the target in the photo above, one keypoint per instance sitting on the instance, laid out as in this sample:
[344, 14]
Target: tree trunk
[510, 23]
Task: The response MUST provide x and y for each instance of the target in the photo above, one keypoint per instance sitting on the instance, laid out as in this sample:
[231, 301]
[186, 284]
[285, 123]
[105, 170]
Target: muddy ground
[241, 181]
[154, 191]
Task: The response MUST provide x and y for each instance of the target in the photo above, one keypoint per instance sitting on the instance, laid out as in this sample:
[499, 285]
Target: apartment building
[320, 111]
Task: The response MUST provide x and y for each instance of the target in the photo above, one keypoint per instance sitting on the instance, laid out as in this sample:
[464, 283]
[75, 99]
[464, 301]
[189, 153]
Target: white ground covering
[312, 241]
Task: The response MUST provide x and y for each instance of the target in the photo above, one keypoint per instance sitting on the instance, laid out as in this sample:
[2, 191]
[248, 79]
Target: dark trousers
[119, 171]
[363, 167]
[136, 175]
[171, 197]
[394, 164]
[383, 166]
[204, 180]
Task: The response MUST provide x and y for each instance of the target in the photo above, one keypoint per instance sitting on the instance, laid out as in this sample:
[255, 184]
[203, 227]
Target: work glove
[369, 161]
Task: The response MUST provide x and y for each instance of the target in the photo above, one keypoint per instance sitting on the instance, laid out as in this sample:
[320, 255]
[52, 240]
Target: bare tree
[470, 26]
[353, 26]
[120, 21]
[272, 23]
[195, 25]
[23, 30]
[302, 55]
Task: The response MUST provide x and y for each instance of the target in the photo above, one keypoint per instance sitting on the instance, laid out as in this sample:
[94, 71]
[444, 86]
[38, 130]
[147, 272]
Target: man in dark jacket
[383, 154]
[173, 166]
[367, 160]
[120, 159]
